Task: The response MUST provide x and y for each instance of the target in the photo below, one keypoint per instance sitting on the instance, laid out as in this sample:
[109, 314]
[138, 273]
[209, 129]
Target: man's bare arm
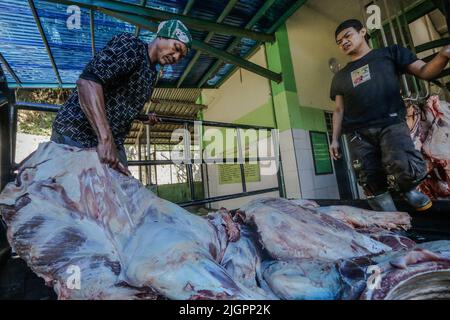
[430, 70]
[338, 115]
[93, 105]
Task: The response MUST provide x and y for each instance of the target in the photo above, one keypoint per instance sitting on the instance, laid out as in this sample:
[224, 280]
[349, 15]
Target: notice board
[321, 154]
[231, 173]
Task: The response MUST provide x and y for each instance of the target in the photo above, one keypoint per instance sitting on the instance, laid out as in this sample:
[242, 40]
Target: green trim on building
[279, 59]
[284, 94]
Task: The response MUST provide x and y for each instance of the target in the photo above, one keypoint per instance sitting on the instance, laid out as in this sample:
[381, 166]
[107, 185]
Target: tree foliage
[34, 122]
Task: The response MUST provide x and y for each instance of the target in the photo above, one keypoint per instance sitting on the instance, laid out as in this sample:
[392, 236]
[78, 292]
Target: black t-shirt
[371, 88]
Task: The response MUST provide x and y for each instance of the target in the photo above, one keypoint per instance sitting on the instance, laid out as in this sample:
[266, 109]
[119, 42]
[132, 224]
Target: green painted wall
[307, 118]
[311, 119]
[261, 116]
[289, 114]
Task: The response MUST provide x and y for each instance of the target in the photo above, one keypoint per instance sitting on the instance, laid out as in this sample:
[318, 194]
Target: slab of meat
[430, 131]
[365, 219]
[67, 209]
[66, 212]
[303, 279]
[289, 231]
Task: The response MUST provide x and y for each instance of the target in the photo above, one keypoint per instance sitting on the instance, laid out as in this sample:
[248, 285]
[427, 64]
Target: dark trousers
[62, 139]
[385, 157]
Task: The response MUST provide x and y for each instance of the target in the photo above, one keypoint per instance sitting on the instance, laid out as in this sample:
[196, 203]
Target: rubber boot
[417, 200]
[382, 202]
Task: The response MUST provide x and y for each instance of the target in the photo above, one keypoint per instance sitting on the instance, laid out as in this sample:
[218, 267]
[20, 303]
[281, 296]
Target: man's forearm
[432, 69]
[337, 125]
[93, 105]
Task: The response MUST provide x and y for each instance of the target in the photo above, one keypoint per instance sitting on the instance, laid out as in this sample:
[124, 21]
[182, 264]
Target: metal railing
[188, 162]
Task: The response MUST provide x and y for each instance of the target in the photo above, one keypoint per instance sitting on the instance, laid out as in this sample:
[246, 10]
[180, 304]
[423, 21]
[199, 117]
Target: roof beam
[138, 29]
[419, 11]
[92, 24]
[233, 70]
[287, 14]
[158, 15]
[432, 45]
[236, 41]
[210, 35]
[188, 7]
[46, 85]
[10, 70]
[186, 10]
[280, 22]
[31, 85]
[444, 7]
[199, 45]
[274, 28]
[44, 40]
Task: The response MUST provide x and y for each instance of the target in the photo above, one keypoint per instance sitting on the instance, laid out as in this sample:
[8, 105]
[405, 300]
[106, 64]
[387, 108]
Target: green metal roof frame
[146, 18]
[200, 46]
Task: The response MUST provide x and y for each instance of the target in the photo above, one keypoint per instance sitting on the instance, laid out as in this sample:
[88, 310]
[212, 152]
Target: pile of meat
[66, 211]
[430, 131]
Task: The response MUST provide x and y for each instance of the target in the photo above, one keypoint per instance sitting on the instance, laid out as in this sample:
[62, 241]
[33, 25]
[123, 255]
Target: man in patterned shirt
[112, 90]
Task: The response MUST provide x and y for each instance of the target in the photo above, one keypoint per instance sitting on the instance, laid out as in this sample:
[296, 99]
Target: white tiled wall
[289, 161]
[298, 172]
[312, 186]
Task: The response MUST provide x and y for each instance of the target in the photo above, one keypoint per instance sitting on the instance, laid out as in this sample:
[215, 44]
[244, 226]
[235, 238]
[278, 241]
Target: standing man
[113, 88]
[371, 111]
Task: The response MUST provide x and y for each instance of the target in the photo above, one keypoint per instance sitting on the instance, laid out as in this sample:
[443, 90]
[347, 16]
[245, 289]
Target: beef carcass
[430, 131]
[366, 219]
[289, 231]
[67, 209]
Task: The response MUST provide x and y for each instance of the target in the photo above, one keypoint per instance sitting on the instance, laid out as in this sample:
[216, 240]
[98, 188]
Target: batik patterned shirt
[127, 76]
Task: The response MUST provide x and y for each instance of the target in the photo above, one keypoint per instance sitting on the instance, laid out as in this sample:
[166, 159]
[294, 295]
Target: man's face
[170, 51]
[349, 40]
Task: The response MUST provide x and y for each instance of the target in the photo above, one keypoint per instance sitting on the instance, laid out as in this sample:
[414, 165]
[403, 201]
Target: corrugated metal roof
[23, 48]
[180, 103]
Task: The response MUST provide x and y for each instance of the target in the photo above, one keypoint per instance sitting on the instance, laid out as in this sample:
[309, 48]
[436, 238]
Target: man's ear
[363, 32]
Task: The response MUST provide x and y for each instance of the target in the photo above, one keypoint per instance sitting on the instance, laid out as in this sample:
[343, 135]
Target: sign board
[321, 154]
[231, 173]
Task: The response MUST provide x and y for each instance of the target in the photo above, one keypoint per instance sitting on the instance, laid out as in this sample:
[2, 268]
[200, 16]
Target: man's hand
[446, 51]
[107, 154]
[152, 119]
[334, 150]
